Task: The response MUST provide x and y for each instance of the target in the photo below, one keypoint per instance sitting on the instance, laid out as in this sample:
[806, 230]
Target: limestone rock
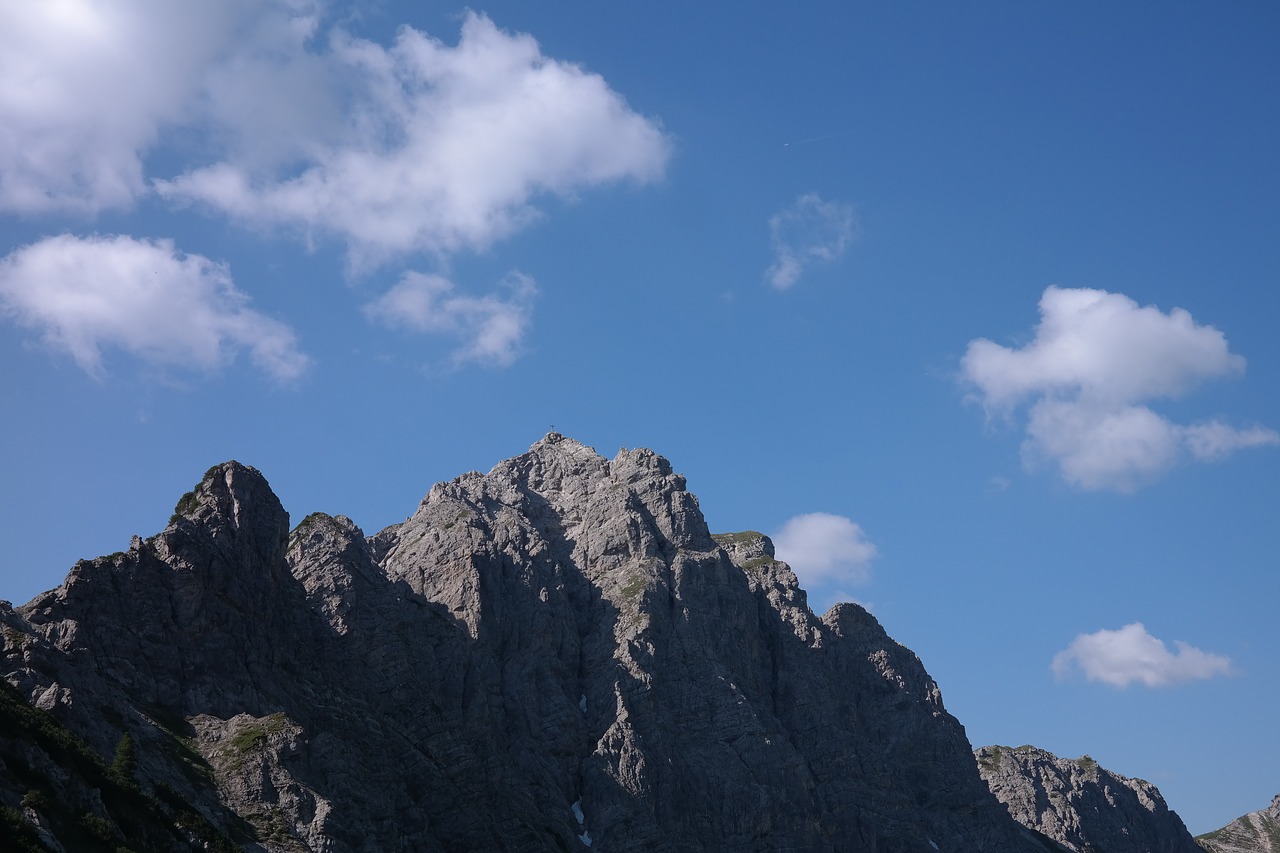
[1257, 832]
[1081, 805]
[554, 655]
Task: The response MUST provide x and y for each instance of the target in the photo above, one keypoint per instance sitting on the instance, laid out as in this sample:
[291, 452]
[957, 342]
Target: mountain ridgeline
[1256, 832]
[1081, 805]
[554, 656]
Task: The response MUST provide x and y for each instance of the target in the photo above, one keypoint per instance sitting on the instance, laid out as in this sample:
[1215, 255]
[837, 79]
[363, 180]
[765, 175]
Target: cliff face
[1080, 805]
[556, 655]
[1256, 832]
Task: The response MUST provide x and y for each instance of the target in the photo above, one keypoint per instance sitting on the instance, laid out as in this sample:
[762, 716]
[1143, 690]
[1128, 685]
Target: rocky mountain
[1257, 832]
[1081, 805]
[554, 656]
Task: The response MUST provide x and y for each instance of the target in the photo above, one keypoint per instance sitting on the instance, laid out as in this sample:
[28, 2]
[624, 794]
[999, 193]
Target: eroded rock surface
[1081, 805]
[556, 655]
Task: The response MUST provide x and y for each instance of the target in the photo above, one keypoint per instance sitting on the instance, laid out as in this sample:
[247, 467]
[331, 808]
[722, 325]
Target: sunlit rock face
[1256, 832]
[1080, 805]
[555, 655]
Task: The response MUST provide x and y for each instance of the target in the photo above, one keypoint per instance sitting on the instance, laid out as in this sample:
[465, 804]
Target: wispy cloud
[822, 548]
[1094, 362]
[1131, 655]
[144, 298]
[492, 327]
[810, 231]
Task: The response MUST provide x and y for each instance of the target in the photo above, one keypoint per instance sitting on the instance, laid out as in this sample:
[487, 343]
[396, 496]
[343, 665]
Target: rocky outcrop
[1080, 805]
[1256, 832]
[556, 655]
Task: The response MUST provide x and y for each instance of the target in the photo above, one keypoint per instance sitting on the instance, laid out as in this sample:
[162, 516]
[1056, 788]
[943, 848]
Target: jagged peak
[224, 487]
[586, 644]
[561, 469]
[230, 501]
[558, 452]
[556, 448]
[553, 438]
[325, 521]
[319, 531]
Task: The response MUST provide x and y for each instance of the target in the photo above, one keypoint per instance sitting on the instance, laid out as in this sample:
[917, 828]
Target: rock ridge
[553, 655]
[1080, 805]
[1256, 832]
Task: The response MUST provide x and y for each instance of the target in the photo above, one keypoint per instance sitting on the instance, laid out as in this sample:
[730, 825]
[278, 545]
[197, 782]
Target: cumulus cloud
[492, 327]
[87, 87]
[1096, 359]
[822, 548]
[1131, 655]
[442, 148]
[810, 231]
[417, 147]
[142, 297]
[262, 111]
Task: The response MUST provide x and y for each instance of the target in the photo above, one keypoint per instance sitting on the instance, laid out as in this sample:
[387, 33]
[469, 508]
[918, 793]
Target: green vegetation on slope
[36, 749]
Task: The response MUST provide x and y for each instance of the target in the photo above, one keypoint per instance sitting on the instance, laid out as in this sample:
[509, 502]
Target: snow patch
[933, 844]
[585, 837]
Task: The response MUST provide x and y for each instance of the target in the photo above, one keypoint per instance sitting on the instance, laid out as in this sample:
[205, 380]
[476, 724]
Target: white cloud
[87, 87]
[144, 298]
[276, 119]
[822, 548]
[1096, 359]
[808, 232]
[1102, 346]
[492, 327]
[1131, 655]
[442, 149]
[419, 147]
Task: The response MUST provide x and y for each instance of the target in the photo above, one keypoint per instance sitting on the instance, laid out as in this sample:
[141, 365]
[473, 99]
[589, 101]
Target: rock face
[556, 655]
[1080, 805]
[1257, 832]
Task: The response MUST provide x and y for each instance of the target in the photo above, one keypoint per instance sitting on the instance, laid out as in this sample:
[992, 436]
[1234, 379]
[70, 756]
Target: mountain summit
[556, 655]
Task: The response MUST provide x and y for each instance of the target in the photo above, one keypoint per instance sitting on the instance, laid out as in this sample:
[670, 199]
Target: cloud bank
[822, 548]
[811, 231]
[88, 88]
[144, 298]
[261, 112]
[1095, 361]
[1130, 655]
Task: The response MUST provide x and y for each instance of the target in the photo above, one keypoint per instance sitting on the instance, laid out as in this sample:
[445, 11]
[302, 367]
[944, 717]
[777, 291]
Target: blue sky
[972, 307]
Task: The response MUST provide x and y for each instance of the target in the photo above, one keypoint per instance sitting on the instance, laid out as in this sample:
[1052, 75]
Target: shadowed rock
[554, 655]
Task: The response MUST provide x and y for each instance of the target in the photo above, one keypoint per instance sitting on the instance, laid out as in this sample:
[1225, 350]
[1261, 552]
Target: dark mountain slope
[553, 656]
